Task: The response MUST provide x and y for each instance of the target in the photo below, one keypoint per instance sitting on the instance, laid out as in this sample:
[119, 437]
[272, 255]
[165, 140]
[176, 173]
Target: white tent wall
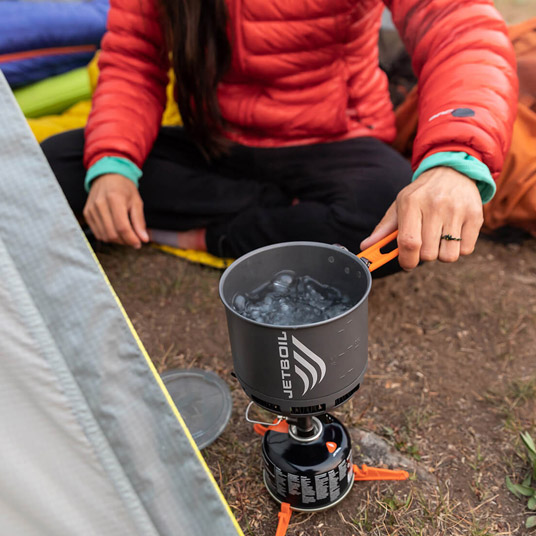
[91, 442]
[43, 446]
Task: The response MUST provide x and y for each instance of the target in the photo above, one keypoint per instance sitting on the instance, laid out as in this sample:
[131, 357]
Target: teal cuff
[466, 164]
[113, 164]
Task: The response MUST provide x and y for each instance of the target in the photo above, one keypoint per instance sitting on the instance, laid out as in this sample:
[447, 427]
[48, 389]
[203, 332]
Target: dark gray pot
[307, 369]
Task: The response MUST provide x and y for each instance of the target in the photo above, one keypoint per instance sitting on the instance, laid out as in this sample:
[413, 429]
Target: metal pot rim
[332, 247]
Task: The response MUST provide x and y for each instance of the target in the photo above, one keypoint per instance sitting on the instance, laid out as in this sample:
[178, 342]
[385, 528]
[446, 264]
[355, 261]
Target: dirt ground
[451, 383]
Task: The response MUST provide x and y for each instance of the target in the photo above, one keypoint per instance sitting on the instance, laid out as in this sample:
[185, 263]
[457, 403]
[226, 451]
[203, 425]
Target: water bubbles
[282, 281]
[239, 303]
[289, 300]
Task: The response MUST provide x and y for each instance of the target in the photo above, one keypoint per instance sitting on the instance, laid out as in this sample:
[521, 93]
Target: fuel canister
[312, 474]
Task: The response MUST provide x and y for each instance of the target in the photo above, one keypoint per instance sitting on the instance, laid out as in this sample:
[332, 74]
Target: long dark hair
[196, 34]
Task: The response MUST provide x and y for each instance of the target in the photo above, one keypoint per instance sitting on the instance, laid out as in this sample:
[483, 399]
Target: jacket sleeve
[467, 79]
[131, 92]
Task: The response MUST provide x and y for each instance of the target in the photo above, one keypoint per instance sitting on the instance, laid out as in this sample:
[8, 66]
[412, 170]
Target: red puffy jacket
[307, 72]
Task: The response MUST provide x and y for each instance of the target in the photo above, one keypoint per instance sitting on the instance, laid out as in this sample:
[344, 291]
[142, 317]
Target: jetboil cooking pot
[302, 369]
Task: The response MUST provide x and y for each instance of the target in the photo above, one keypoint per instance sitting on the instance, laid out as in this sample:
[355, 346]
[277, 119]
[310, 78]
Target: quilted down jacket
[307, 72]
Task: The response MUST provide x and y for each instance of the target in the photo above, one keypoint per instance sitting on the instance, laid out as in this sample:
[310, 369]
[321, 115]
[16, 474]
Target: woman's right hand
[114, 211]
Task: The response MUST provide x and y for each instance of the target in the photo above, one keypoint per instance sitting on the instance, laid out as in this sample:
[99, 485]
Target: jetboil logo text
[309, 367]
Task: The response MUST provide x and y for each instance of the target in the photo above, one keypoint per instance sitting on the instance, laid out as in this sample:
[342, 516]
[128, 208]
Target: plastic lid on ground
[203, 400]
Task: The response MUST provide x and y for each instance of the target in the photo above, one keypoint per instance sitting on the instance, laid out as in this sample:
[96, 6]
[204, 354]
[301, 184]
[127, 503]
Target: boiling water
[290, 300]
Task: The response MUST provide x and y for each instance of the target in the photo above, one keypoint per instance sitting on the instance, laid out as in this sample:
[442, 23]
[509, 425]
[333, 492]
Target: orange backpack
[514, 203]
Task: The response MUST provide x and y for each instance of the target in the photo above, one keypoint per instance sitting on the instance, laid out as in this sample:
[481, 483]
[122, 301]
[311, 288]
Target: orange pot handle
[374, 258]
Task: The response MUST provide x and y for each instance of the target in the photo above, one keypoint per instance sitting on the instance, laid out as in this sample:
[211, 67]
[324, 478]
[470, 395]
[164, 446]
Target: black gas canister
[310, 474]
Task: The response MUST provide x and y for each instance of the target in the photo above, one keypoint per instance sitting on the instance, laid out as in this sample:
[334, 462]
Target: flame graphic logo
[308, 366]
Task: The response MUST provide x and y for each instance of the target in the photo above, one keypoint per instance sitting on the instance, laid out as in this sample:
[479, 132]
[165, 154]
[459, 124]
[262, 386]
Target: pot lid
[203, 400]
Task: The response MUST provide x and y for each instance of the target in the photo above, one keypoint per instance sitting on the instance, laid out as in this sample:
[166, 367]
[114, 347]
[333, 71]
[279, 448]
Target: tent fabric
[92, 443]
[43, 444]
[42, 39]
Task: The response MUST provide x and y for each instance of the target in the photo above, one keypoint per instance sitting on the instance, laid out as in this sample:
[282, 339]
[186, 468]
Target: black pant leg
[244, 199]
[64, 153]
[343, 189]
[179, 188]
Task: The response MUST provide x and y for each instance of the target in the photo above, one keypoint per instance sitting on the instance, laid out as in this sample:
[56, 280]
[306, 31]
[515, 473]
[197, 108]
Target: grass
[518, 393]
[415, 513]
[477, 530]
[526, 489]
[522, 391]
[404, 437]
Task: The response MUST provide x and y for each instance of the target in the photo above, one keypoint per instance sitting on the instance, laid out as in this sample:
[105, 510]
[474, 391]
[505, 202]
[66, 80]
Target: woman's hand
[114, 211]
[440, 202]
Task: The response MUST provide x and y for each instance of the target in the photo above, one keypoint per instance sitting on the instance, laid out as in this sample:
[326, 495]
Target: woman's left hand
[440, 202]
